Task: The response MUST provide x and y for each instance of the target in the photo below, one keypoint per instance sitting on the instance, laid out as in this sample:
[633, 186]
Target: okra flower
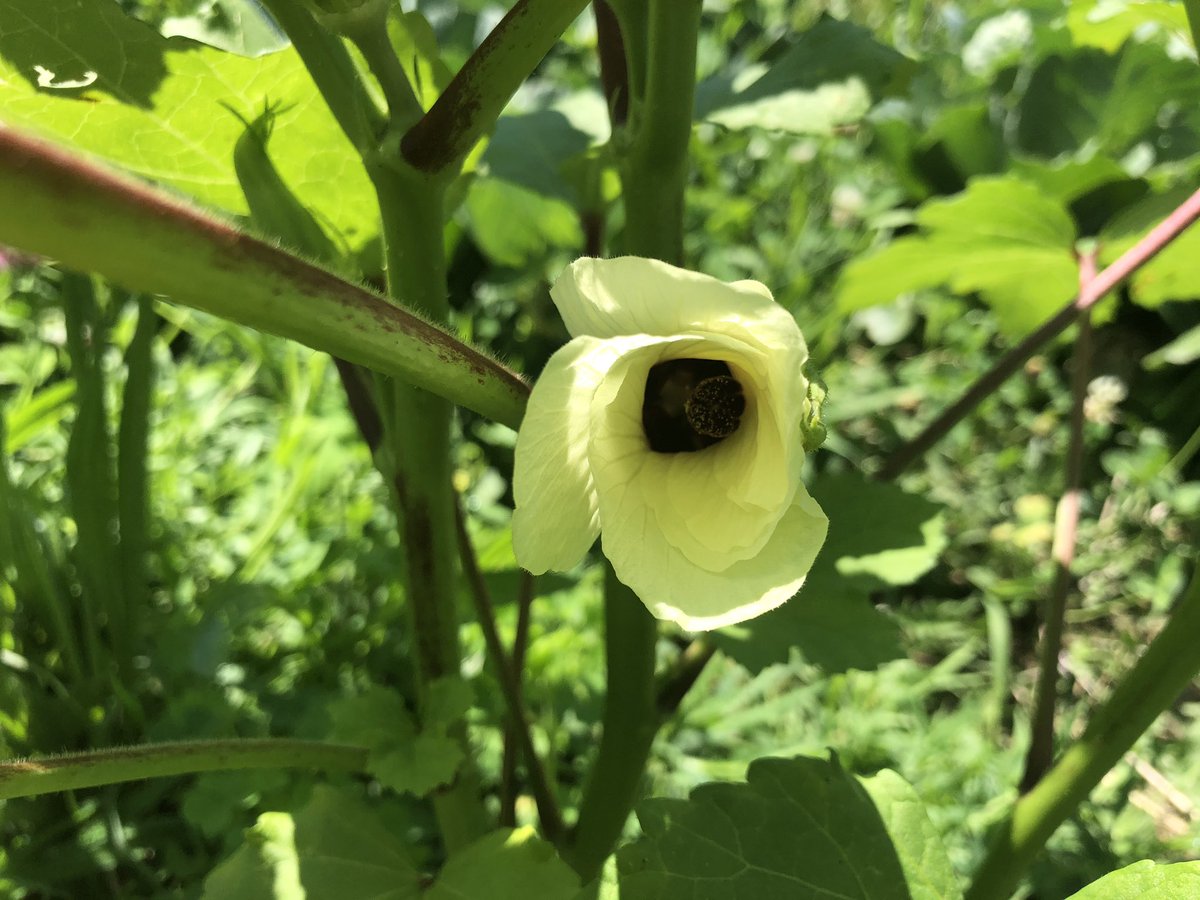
[674, 425]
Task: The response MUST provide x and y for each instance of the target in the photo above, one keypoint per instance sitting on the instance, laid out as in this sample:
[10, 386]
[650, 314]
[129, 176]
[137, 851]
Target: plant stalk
[1066, 527]
[55, 204]
[417, 441]
[1156, 680]
[654, 175]
[472, 102]
[72, 771]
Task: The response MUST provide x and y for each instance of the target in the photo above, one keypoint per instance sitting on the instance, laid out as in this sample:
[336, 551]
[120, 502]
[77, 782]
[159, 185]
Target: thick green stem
[654, 175]
[630, 722]
[44, 775]
[472, 102]
[55, 204]
[654, 169]
[1154, 683]
[417, 442]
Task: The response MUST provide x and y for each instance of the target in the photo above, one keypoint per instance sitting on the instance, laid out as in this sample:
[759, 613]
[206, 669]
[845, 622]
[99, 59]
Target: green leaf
[401, 757]
[830, 77]
[831, 623]
[347, 853]
[1174, 274]
[264, 866]
[1107, 24]
[416, 47]
[506, 865]
[162, 107]
[516, 226]
[1002, 238]
[1110, 102]
[880, 536]
[1146, 880]
[238, 26]
[799, 828]
[532, 149]
[1179, 352]
[926, 865]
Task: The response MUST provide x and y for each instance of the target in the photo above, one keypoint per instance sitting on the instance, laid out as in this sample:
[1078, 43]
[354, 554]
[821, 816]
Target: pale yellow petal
[696, 499]
[631, 295]
[555, 519]
[676, 589]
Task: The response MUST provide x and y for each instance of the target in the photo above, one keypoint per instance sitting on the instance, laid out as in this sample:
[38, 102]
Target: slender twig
[1128, 263]
[472, 102]
[682, 675]
[361, 402]
[508, 765]
[1066, 526]
[510, 685]
[43, 775]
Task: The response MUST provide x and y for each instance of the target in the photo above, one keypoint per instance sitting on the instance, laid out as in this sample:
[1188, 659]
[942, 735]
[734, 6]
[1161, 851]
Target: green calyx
[812, 428]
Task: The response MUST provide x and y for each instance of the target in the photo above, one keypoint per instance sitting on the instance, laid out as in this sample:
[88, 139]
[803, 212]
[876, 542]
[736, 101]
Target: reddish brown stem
[1129, 262]
[1066, 527]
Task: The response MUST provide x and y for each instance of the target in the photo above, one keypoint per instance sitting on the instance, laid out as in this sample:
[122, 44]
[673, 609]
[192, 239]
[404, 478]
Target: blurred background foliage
[194, 541]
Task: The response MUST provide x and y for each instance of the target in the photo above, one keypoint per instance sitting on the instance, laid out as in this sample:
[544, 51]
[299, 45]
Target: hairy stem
[473, 100]
[417, 440]
[1164, 671]
[58, 205]
[1066, 525]
[44, 775]
[1129, 262]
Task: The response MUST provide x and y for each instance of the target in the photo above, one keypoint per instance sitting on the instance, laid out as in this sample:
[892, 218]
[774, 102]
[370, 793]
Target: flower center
[691, 404]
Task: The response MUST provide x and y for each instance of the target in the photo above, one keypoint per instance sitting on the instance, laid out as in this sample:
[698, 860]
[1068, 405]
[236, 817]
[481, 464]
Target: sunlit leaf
[82, 73]
[879, 536]
[347, 852]
[264, 866]
[799, 828]
[829, 77]
[1146, 880]
[506, 865]
[927, 868]
[1002, 238]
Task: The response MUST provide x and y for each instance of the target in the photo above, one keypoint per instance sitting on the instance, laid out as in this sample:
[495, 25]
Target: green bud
[274, 209]
[811, 427]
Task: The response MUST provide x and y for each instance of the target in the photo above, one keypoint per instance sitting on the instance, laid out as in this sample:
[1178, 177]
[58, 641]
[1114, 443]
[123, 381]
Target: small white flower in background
[1105, 394]
[673, 424]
